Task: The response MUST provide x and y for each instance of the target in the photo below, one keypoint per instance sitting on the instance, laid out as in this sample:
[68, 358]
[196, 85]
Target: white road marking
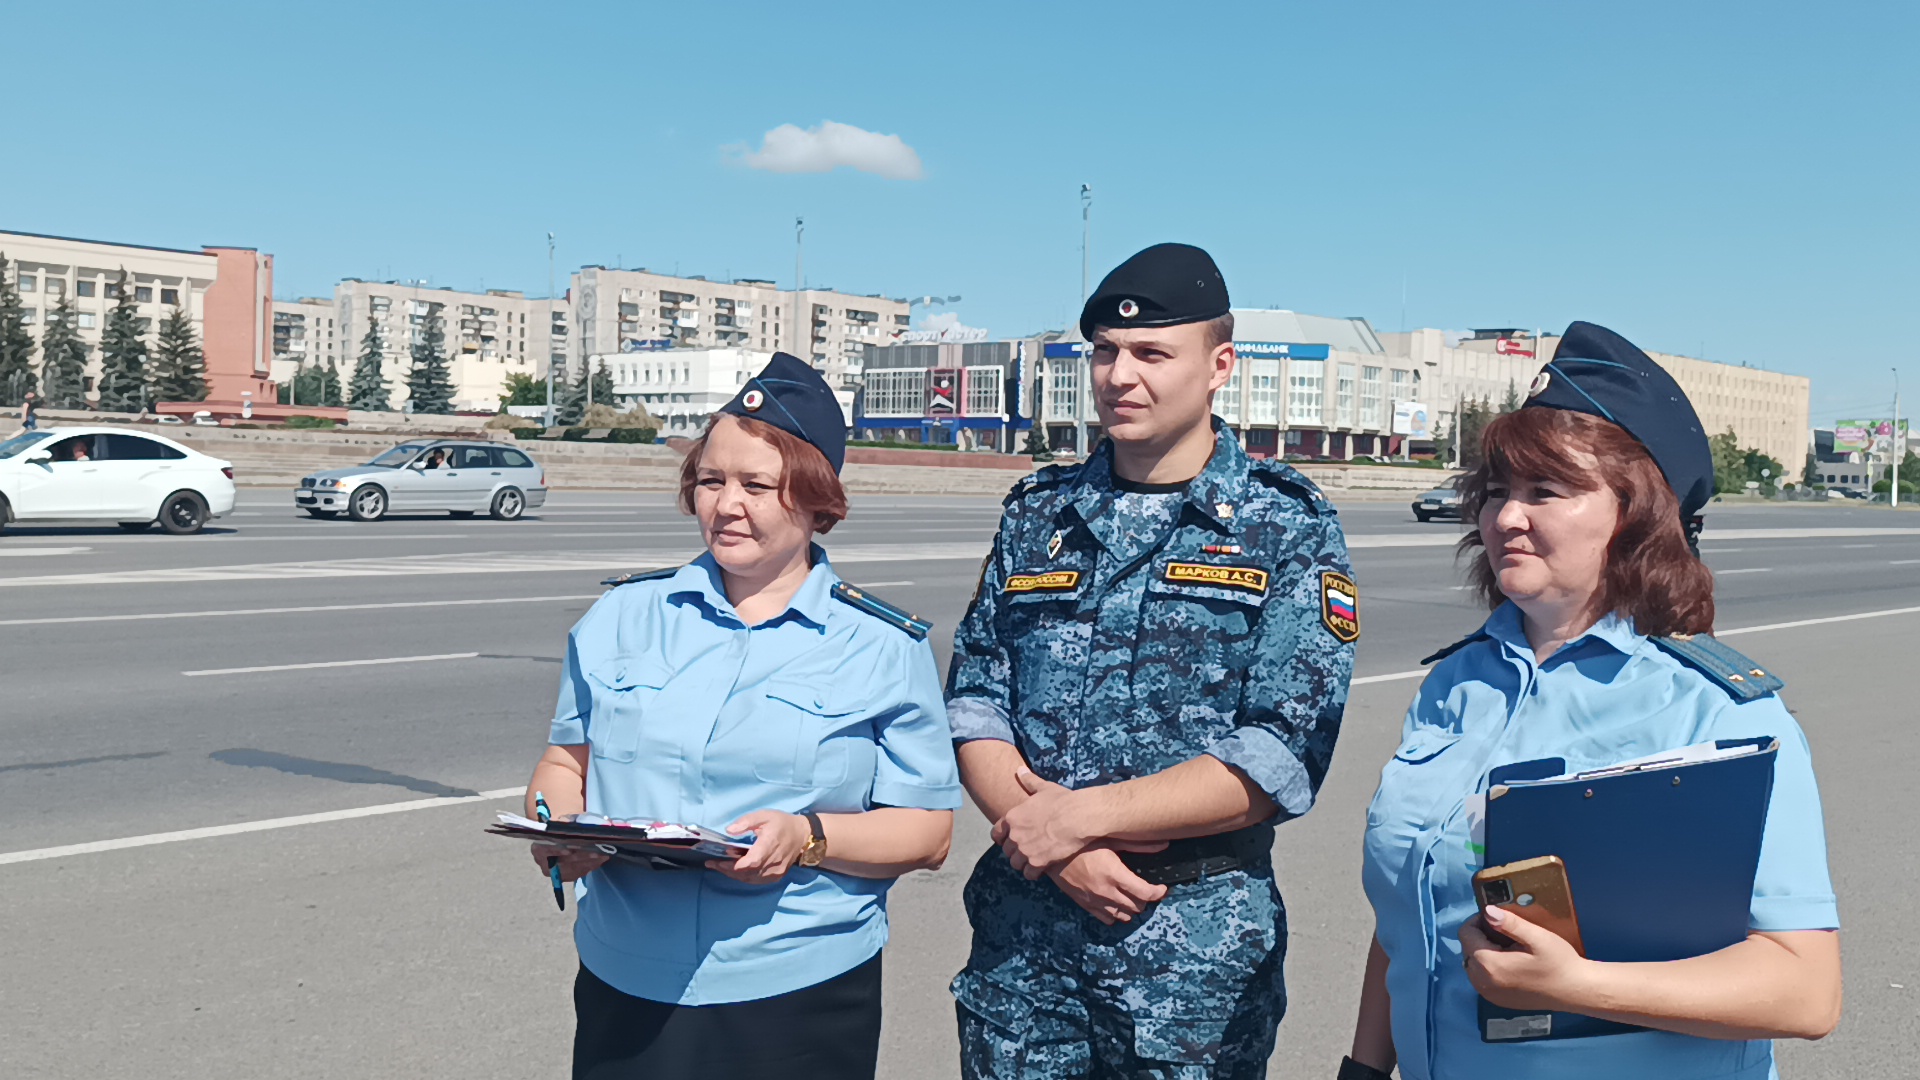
[886, 584]
[26, 552]
[1903, 562]
[1828, 620]
[1852, 546]
[475, 563]
[1720, 551]
[1745, 570]
[1395, 677]
[235, 828]
[157, 615]
[332, 664]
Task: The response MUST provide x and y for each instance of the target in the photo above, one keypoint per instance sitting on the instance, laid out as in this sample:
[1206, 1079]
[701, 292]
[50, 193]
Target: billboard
[1866, 436]
[1410, 419]
[943, 391]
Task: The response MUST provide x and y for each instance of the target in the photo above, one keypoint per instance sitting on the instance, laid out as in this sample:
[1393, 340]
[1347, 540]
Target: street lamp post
[1082, 365]
[1898, 445]
[549, 332]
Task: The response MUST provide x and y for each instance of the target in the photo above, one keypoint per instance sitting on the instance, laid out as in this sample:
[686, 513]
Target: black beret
[1598, 372]
[1165, 285]
[793, 397]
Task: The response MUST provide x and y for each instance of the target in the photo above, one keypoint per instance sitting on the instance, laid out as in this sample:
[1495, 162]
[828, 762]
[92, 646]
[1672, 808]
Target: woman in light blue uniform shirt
[1585, 508]
[753, 692]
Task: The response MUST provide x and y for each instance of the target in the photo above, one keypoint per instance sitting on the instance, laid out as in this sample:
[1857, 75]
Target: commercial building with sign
[949, 393]
[620, 311]
[225, 291]
[683, 388]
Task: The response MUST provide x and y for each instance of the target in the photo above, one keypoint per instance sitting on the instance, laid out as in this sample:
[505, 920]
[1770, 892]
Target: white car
[111, 474]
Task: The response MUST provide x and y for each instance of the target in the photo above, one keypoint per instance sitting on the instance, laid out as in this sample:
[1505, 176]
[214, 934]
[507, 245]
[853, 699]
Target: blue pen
[553, 864]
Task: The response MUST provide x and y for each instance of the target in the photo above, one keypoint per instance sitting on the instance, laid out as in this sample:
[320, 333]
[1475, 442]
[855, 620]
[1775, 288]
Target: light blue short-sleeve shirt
[694, 717]
[1609, 696]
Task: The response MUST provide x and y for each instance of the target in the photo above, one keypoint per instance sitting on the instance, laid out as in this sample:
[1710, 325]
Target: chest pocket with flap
[808, 725]
[624, 689]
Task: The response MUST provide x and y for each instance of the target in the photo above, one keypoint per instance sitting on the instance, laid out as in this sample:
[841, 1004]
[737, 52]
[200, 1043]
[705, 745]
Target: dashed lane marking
[235, 828]
[28, 552]
[306, 609]
[1745, 570]
[464, 564]
[331, 664]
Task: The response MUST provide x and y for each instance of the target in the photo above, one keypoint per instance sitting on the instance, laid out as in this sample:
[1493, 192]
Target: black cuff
[1353, 1070]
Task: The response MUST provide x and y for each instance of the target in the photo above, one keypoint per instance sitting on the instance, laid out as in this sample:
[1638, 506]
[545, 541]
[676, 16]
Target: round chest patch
[752, 400]
[1128, 309]
[1539, 384]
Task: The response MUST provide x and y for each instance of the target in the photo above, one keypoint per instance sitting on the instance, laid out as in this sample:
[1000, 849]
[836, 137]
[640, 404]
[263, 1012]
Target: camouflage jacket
[1108, 646]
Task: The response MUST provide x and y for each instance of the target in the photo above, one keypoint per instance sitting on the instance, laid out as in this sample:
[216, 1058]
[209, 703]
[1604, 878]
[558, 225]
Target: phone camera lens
[1525, 899]
[1499, 892]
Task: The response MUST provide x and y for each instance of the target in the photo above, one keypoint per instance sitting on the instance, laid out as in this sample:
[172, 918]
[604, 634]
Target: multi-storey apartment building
[306, 333]
[624, 311]
[683, 388]
[225, 291]
[487, 335]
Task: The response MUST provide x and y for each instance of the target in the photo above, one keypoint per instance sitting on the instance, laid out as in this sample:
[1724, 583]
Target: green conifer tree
[63, 360]
[179, 365]
[16, 342]
[330, 387]
[602, 389]
[575, 395]
[1512, 402]
[430, 382]
[123, 353]
[368, 390]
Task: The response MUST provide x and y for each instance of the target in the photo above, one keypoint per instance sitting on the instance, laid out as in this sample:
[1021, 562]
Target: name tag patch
[1340, 606]
[1052, 581]
[1250, 578]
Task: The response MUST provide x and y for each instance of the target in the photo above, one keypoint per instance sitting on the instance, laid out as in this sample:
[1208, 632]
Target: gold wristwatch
[816, 849]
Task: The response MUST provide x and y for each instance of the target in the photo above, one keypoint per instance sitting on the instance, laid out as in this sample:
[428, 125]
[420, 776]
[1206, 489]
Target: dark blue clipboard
[1661, 862]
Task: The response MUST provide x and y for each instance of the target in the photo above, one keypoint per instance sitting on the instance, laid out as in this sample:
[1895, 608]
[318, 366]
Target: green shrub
[631, 435]
[312, 423]
[528, 432]
[574, 434]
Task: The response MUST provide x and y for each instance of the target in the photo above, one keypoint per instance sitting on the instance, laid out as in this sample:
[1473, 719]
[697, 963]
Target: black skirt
[829, 1031]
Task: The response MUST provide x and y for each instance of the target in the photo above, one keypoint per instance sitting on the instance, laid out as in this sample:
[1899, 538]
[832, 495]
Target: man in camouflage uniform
[1150, 676]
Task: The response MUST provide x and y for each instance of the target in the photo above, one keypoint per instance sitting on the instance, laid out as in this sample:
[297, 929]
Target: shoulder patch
[914, 626]
[1477, 635]
[642, 575]
[1339, 606]
[1284, 477]
[1740, 677]
[1045, 478]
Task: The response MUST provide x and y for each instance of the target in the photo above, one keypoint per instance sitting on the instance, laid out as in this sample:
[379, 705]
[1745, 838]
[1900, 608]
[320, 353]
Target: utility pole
[1899, 444]
[804, 352]
[549, 332]
[1082, 365]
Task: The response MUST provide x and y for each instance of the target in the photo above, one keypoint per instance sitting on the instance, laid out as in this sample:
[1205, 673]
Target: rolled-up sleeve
[915, 766]
[1296, 688]
[979, 681]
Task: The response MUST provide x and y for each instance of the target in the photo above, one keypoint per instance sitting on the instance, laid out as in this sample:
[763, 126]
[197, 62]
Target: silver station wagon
[461, 478]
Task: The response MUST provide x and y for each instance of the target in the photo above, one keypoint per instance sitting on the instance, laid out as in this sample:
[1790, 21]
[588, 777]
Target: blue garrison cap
[793, 397]
[1598, 372]
[1164, 285]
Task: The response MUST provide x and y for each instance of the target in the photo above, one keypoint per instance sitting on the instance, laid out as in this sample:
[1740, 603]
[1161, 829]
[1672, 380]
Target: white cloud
[790, 149]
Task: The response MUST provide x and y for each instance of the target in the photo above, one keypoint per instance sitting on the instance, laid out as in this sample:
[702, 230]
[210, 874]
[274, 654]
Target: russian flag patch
[1340, 606]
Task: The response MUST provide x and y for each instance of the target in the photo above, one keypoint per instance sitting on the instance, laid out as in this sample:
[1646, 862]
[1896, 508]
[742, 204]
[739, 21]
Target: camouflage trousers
[1192, 989]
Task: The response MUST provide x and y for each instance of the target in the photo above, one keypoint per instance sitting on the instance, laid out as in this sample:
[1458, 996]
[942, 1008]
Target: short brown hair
[808, 484]
[1651, 575]
[1219, 331]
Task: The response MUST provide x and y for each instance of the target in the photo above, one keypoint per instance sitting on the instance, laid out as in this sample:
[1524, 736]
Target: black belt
[1189, 860]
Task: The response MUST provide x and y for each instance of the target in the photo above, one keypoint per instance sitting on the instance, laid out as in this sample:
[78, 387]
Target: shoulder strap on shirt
[1283, 477]
[1045, 478]
[915, 626]
[642, 575]
[1740, 677]
[1477, 635]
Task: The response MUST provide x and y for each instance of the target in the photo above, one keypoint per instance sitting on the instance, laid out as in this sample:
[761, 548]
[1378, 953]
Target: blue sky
[1734, 180]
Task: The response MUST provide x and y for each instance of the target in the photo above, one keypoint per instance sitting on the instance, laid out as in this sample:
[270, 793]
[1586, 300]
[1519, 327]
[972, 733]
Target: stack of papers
[648, 842]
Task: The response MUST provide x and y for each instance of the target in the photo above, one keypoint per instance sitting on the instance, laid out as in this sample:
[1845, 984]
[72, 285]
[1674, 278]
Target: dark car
[1440, 502]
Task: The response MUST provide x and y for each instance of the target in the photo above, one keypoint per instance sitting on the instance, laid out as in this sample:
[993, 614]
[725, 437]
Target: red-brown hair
[1651, 575]
[808, 484]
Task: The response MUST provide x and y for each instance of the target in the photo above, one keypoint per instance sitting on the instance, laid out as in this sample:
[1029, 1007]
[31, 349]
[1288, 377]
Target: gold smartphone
[1535, 890]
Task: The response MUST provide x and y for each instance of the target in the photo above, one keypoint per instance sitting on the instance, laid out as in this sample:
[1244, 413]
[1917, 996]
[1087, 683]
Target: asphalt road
[277, 667]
